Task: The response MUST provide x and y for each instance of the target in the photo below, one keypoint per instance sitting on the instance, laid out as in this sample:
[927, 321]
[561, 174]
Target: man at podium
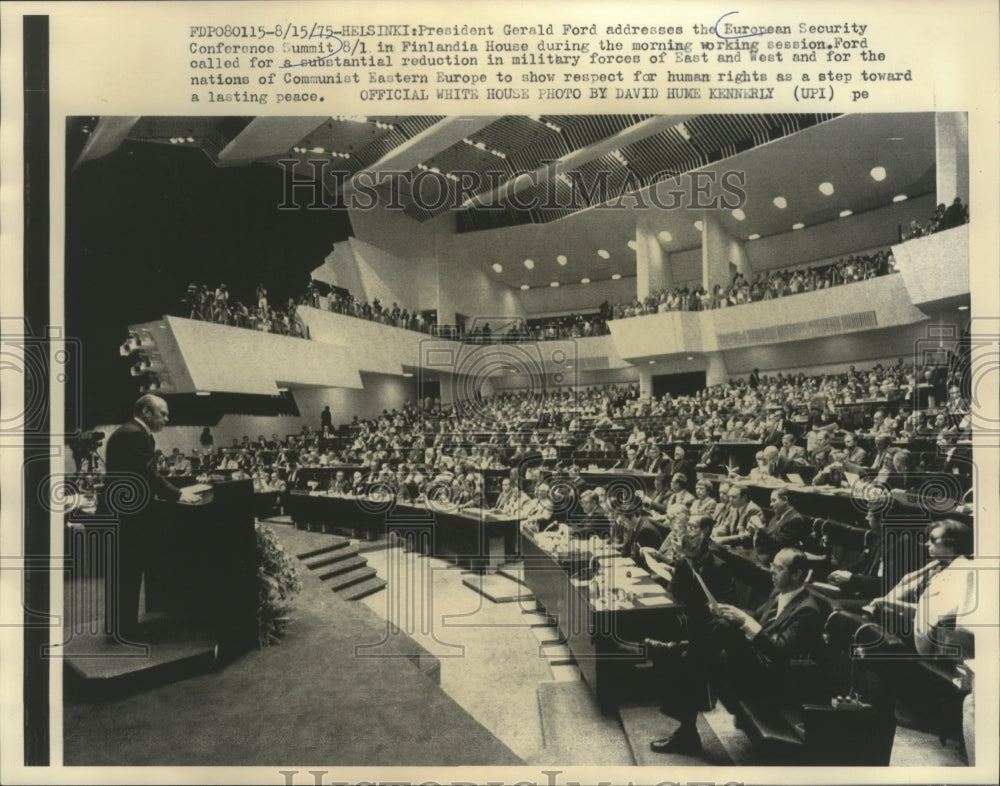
[131, 450]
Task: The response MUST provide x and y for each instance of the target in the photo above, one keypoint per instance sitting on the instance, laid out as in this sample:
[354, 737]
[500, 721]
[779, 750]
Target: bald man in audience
[787, 528]
[747, 654]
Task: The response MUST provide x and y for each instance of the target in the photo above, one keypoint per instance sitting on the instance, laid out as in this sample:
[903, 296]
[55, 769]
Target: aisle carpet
[308, 699]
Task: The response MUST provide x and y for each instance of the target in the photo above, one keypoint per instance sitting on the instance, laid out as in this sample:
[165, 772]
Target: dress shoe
[683, 741]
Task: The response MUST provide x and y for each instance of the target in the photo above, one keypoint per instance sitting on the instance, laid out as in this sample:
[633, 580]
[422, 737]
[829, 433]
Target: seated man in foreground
[747, 653]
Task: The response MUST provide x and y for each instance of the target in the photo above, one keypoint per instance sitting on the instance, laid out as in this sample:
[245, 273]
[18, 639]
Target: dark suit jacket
[789, 529]
[865, 581]
[655, 466]
[716, 574]
[796, 631]
[645, 534]
[132, 449]
[685, 467]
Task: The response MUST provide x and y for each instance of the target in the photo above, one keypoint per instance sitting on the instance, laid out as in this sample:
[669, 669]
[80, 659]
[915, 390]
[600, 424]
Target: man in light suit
[743, 519]
[131, 452]
[791, 457]
[749, 653]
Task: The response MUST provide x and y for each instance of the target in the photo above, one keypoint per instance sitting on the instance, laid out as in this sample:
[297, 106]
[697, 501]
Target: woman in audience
[704, 504]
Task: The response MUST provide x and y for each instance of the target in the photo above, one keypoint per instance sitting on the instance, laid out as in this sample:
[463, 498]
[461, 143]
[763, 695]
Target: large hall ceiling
[787, 156]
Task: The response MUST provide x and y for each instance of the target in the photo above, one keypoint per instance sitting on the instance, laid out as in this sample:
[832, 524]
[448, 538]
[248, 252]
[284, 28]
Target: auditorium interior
[466, 397]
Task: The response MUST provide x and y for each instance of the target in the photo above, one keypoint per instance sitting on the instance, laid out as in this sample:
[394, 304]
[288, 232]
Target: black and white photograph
[510, 434]
[585, 445]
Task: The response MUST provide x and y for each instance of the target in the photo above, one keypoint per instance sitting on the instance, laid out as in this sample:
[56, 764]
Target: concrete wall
[871, 229]
[576, 298]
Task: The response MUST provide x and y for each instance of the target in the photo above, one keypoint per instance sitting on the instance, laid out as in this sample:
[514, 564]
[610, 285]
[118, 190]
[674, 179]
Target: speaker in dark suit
[131, 460]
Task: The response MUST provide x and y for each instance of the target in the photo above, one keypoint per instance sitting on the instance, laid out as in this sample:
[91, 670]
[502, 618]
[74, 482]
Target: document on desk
[198, 488]
[653, 601]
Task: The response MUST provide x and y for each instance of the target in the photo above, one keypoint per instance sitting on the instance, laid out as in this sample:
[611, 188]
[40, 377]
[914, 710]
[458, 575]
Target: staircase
[342, 567]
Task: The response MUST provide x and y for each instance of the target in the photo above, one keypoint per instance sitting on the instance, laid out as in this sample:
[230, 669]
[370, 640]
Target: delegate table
[601, 616]
[470, 536]
[850, 506]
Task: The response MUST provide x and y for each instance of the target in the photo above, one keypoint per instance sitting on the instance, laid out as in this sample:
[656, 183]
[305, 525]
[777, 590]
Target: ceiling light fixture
[780, 202]
[878, 173]
[826, 188]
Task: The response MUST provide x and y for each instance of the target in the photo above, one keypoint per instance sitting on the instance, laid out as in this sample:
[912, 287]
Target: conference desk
[471, 536]
[851, 506]
[599, 629]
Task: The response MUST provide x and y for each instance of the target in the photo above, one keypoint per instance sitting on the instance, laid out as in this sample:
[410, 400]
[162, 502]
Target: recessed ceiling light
[202, 393]
[798, 225]
[739, 215]
[780, 202]
[498, 267]
[878, 173]
[603, 254]
[690, 357]
[699, 225]
[754, 236]
[846, 213]
[963, 308]
[561, 259]
[826, 188]
[554, 284]
[633, 245]
[616, 276]
[665, 236]
[530, 264]
[899, 198]
[407, 374]
[652, 362]
[584, 280]
[525, 286]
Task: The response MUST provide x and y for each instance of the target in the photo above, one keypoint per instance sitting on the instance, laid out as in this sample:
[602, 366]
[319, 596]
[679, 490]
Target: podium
[206, 571]
[200, 582]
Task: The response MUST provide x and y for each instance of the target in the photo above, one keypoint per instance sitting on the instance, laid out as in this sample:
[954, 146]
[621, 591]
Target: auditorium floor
[313, 699]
